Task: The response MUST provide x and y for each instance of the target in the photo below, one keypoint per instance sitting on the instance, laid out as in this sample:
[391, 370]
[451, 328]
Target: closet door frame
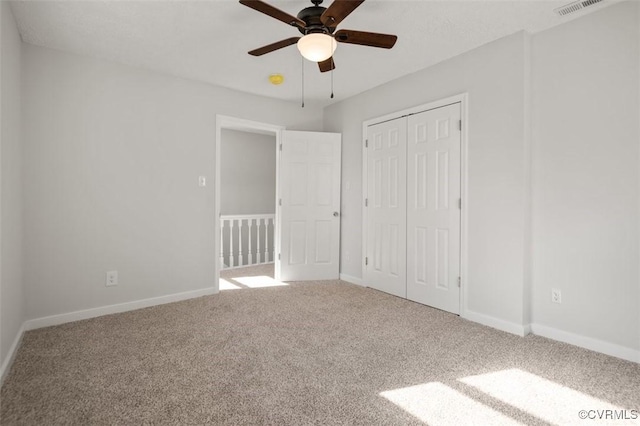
[464, 101]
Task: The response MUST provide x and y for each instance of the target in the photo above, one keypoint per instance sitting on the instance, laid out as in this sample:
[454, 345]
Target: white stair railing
[246, 240]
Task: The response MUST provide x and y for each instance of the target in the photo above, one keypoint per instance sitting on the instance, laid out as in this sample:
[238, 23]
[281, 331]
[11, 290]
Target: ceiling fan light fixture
[317, 47]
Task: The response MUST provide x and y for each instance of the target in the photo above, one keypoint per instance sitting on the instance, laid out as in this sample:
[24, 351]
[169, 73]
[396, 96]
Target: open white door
[309, 206]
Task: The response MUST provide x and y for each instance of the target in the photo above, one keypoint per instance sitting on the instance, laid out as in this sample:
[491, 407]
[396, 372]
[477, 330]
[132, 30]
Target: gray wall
[494, 76]
[112, 157]
[11, 291]
[248, 173]
[554, 172]
[585, 175]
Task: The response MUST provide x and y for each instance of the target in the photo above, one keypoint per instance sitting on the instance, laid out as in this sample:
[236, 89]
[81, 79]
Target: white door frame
[463, 99]
[240, 124]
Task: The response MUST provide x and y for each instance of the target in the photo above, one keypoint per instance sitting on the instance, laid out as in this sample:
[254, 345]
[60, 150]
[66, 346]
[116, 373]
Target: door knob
[336, 214]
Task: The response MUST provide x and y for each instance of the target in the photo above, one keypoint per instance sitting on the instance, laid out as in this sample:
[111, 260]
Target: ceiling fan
[318, 26]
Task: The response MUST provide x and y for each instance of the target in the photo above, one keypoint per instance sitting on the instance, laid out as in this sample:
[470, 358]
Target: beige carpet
[305, 353]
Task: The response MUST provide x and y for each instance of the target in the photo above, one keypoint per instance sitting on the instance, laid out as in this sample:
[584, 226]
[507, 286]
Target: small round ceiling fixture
[276, 79]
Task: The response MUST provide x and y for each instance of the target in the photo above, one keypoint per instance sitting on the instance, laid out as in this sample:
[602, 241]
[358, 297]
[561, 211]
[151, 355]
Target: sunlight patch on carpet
[437, 404]
[226, 285]
[547, 400]
[259, 281]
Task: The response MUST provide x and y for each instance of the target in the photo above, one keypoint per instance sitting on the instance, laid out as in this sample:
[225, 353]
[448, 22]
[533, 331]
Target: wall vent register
[575, 7]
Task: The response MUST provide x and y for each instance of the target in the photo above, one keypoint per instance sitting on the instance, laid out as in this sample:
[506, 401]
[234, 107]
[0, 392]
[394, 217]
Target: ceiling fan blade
[327, 65]
[274, 46]
[274, 12]
[386, 41]
[339, 10]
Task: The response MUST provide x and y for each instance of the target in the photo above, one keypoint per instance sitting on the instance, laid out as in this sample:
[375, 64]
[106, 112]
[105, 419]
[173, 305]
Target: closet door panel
[386, 210]
[433, 214]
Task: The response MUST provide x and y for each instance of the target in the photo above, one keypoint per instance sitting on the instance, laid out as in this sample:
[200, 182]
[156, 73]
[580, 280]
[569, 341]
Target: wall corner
[528, 183]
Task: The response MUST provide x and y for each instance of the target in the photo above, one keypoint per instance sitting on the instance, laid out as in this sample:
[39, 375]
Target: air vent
[575, 6]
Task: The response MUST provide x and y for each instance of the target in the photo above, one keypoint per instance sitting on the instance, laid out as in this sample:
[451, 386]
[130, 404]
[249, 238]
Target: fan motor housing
[311, 16]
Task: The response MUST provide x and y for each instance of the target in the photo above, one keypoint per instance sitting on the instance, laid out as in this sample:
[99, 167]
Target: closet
[413, 207]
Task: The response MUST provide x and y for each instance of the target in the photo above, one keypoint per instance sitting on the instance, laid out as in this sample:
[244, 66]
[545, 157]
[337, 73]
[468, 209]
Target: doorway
[232, 124]
[306, 230]
[248, 199]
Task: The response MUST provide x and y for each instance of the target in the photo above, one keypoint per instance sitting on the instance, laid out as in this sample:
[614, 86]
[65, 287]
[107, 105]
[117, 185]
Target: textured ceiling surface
[208, 40]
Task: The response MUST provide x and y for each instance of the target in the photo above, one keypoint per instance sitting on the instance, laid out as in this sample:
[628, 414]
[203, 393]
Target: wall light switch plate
[202, 181]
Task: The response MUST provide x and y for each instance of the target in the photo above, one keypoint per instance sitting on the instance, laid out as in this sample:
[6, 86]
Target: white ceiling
[208, 40]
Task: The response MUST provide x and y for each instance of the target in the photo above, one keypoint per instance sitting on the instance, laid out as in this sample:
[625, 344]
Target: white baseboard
[596, 345]
[497, 323]
[114, 309]
[13, 350]
[352, 280]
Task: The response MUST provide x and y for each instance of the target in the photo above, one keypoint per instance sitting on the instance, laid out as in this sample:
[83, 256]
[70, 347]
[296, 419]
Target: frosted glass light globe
[317, 47]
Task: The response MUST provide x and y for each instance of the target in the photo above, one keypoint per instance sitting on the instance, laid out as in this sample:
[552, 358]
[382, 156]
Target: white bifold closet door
[413, 247]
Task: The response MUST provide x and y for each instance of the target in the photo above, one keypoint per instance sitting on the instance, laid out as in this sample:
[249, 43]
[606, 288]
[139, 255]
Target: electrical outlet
[112, 278]
[556, 295]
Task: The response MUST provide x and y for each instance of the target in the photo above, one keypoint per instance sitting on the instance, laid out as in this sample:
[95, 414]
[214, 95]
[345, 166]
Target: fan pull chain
[332, 80]
[333, 66]
[302, 68]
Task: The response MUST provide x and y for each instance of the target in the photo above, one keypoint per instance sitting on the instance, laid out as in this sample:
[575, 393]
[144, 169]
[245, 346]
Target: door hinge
[459, 126]
[460, 203]
[280, 202]
[366, 202]
[280, 147]
[278, 256]
[366, 143]
[366, 261]
[459, 281]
